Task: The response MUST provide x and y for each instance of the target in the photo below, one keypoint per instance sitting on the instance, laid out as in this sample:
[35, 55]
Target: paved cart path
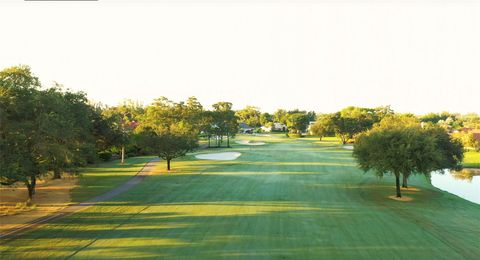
[139, 177]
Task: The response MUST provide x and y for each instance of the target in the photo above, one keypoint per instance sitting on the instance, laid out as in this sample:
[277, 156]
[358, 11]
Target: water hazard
[465, 183]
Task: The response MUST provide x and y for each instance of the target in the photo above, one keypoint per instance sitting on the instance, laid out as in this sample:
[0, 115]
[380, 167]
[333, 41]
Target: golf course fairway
[288, 199]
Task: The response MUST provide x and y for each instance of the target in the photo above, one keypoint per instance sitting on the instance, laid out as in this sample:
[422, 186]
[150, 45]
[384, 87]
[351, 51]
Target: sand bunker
[227, 156]
[244, 142]
[348, 147]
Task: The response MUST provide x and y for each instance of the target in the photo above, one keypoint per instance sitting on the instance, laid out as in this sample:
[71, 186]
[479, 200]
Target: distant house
[476, 135]
[266, 128]
[467, 130]
[245, 129]
[279, 127]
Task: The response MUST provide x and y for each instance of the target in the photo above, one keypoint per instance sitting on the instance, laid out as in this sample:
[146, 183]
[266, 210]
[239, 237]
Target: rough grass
[471, 160]
[289, 199]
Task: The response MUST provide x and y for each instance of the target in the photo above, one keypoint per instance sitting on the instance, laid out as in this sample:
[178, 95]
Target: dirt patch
[411, 189]
[403, 198]
[51, 196]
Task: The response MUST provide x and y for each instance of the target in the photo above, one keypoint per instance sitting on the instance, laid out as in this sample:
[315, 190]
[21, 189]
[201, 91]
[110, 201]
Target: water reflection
[465, 183]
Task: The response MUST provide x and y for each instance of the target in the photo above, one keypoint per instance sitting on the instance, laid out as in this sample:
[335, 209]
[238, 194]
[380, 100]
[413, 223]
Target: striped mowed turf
[288, 199]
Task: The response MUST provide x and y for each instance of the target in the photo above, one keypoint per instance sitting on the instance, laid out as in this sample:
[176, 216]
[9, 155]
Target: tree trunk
[57, 174]
[168, 164]
[123, 155]
[397, 182]
[31, 188]
[228, 141]
[208, 141]
[404, 183]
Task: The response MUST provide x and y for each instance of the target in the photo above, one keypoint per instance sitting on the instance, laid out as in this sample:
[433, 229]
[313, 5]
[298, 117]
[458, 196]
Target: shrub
[105, 155]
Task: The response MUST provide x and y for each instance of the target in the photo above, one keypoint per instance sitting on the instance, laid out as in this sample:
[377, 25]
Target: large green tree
[249, 115]
[405, 151]
[297, 122]
[168, 144]
[280, 116]
[41, 128]
[19, 89]
[44, 130]
[170, 129]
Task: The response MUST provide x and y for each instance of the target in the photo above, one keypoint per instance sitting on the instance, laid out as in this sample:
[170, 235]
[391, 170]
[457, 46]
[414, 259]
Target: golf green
[288, 199]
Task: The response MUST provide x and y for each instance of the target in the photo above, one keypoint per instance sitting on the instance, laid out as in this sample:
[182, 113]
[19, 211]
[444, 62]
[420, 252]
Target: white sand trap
[263, 135]
[244, 142]
[348, 147]
[227, 156]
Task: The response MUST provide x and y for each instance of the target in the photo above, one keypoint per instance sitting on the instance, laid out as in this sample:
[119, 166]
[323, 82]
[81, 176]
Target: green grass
[105, 176]
[289, 199]
[472, 159]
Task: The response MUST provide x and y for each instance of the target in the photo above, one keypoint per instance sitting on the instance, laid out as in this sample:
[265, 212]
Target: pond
[465, 184]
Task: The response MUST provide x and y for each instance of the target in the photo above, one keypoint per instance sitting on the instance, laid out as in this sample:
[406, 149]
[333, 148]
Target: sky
[417, 56]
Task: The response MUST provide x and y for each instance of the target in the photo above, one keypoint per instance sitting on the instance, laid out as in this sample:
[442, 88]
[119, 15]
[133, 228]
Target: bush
[105, 155]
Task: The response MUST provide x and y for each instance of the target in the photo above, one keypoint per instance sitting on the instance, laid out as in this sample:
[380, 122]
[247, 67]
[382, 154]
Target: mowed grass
[472, 159]
[103, 177]
[289, 199]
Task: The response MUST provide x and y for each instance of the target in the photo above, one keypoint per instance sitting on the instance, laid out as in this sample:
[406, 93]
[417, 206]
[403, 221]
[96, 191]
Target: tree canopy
[169, 129]
[407, 150]
[44, 129]
[249, 115]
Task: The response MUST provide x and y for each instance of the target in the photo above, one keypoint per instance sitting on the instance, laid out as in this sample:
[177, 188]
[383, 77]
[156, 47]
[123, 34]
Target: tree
[468, 140]
[38, 128]
[168, 145]
[351, 121]
[107, 131]
[224, 122]
[266, 119]
[318, 129]
[297, 122]
[345, 127]
[250, 116]
[381, 112]
[168, 129]
[436, 117]
[19, 90]
[312, 116]
[125, 118]
[471, 120]
[403, 151]
[323, 126]
[399, 121]
[451, 150]
[280, 116]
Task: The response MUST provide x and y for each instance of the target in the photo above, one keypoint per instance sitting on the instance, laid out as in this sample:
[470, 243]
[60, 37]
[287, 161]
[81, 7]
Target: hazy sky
[416, 56]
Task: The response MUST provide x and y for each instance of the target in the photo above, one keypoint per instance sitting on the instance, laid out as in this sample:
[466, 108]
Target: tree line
[54, 130]
[46, 130]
